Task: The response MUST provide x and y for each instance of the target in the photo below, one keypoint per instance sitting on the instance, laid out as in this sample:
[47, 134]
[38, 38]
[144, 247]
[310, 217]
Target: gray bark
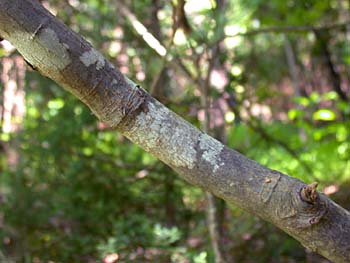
[62, 55]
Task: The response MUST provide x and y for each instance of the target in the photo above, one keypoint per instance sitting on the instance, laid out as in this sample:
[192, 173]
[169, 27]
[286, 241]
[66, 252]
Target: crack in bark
[269, 186]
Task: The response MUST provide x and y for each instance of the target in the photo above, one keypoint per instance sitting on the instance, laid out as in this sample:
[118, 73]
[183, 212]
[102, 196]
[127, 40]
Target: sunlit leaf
[332, 95]
[347, 60]
[5, 137]
[295, 114]
[201, 257]
[315, 97]
[343, 148]
[317, 135]
[56, 104]
[302, 101]
[229, 117]
[324, 115]
[88, 151]
[197, 6]
[341, 133]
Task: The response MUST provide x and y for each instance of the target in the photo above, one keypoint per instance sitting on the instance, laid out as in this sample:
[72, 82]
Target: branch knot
[309, 193]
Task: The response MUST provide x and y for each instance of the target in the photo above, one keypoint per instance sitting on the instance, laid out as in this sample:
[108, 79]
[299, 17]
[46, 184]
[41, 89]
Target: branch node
[309, 193]
[133, 101]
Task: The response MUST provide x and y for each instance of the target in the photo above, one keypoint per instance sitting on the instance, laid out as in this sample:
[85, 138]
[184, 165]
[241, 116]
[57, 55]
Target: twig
[290, 29]
[258, 128]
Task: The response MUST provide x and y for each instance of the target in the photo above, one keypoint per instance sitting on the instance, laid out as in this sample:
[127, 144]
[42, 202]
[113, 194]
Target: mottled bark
[58, 53]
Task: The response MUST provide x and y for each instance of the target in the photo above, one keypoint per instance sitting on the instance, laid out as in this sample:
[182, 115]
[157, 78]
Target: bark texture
[62, 55]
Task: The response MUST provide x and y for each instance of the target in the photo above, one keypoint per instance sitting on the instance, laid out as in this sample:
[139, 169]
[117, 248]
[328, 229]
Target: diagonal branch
[59, 53]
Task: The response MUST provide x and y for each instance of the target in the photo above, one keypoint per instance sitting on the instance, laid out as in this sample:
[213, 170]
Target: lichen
[43, 50]
[211, 150]
[93, 57]
[51, 42]
[161, 133]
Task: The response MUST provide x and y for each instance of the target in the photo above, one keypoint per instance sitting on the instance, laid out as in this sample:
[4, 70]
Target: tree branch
[291, 29]
[59, 53]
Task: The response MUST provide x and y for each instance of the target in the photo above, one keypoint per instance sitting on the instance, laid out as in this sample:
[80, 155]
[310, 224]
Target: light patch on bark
[212, 149]
[43, 50]
[111, 120]
[51, 42]
[163, 134]
[93, 57]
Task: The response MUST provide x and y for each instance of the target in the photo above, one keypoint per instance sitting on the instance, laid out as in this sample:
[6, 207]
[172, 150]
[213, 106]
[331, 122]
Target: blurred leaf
[332, 95]
[324, 115]
[302, 101]
[166, 236]
[295, 114]
[315, 97]
[200, 258]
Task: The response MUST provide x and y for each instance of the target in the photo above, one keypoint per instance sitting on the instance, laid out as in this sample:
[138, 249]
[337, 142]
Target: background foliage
[277, 74]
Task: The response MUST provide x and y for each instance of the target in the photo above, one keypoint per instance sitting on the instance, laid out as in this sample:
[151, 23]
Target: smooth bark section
[64, 56]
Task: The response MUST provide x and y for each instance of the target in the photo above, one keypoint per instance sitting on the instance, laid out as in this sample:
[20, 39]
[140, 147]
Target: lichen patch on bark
[211, 150]
[51, 42]
[43, 50]
[93, 57]
[159, 132]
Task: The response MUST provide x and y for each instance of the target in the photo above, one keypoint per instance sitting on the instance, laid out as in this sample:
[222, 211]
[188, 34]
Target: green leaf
[315, 97]
[302, 101]
[5, 137]
[332, 95]
[55, 104]
[343, 106]
[347, 60]
[324, 115]
[295, 114]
